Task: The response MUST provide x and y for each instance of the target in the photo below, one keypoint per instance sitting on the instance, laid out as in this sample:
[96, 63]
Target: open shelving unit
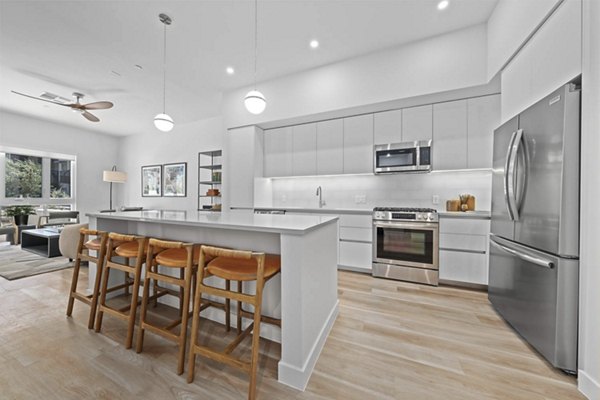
[209, 179]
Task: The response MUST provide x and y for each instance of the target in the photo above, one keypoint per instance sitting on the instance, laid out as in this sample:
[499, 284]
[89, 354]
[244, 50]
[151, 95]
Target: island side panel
[309, 300]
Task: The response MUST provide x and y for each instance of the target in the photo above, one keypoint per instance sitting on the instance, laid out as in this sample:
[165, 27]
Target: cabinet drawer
[464, 267]
[357, 221]
[463, 242]
[358, 255]
[468, 226]
[360, 234]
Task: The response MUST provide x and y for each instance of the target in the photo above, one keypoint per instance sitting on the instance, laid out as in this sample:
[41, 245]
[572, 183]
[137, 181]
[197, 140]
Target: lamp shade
[255, 102]
[163, 122]
[114, 176]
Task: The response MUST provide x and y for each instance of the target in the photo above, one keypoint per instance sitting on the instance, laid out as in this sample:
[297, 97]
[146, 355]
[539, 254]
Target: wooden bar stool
[242, 266]
[86, 243]
[125, 246]
[174, 255]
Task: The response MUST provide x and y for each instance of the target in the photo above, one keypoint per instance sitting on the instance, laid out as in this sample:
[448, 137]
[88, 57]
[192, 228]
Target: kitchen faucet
[320, 194]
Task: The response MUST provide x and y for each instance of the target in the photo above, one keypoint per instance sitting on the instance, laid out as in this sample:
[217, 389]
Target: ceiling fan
[77, 106]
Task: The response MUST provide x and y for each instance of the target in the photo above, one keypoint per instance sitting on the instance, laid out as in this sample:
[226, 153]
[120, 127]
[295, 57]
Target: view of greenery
[23, 176]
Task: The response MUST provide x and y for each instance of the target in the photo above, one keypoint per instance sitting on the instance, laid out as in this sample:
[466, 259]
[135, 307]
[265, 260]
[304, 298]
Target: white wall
[182, 144]
[511, 23]
[395, 190]
[589, 312]
[551, 58]
[95, 152]
[451, 61]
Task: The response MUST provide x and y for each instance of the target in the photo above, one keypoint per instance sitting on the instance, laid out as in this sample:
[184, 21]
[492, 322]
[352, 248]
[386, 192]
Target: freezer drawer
[537, 295]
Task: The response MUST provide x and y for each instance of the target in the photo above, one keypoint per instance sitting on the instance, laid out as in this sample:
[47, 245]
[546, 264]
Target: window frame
[46, 184]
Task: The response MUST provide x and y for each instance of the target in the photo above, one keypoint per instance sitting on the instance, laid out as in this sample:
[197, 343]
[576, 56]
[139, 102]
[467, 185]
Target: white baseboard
[298, 377]
[588, 386]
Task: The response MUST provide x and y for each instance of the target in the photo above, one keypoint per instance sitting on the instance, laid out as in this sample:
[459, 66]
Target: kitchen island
[305, 293]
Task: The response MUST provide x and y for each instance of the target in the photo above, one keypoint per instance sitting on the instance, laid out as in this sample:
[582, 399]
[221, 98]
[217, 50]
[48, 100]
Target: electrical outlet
[435, 199]
[360, 199]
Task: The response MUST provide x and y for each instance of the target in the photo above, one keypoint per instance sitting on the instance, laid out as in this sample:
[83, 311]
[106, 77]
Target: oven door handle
[403, 225]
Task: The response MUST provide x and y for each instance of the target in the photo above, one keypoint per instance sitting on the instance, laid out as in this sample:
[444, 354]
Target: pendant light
[163, 121]
[255, 101]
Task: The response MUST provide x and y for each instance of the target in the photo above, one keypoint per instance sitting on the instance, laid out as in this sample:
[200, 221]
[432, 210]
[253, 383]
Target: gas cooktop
[405, 209]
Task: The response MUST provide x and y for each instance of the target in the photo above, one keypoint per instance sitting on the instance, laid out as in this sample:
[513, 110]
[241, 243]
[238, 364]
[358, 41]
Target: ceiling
[93, 46]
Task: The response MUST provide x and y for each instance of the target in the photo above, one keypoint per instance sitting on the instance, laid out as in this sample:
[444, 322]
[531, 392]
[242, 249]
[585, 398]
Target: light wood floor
[392, 340]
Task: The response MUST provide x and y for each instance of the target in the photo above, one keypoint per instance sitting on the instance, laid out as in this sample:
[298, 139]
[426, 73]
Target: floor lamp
[113, 176]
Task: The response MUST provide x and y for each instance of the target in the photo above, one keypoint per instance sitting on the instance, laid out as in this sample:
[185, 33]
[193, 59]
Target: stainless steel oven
[405, 244]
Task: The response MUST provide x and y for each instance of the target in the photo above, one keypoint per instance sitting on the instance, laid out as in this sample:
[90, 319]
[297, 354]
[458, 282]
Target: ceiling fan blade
[37, 98]
[90, 117]
[99, 105]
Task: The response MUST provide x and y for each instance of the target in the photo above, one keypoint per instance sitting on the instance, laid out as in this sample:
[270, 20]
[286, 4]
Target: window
[60, 178]
[23, 176]
[37, 178]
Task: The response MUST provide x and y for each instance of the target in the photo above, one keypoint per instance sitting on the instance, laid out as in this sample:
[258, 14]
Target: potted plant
[19, 213]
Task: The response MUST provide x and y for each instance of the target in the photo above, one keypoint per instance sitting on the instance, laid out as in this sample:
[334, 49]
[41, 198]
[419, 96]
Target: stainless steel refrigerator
[534, 241]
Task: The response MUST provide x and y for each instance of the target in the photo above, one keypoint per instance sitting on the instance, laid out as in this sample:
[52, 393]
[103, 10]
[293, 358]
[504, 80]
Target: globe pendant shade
[255, 102]
[163, 122]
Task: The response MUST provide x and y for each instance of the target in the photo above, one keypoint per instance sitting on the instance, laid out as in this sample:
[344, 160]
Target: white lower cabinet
[460, 266]
[356, 255]
[464, 250]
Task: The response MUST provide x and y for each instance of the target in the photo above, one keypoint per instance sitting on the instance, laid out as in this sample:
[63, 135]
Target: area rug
[16, 263]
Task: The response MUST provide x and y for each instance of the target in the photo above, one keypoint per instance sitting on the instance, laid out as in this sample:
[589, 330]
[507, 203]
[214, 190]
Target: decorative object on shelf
[175, 180]
[216, 176]
[113, 176]
[213, 192]
[255, 101]
[163, 121]
[151, 181]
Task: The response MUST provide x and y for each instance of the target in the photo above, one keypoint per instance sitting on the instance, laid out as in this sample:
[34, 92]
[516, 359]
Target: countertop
[465, 214]
[369, 211]
[235, 219]
[361, 211]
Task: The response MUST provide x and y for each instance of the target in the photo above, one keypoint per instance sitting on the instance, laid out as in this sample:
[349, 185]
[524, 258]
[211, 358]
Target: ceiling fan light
[163, 122]
[255, 102]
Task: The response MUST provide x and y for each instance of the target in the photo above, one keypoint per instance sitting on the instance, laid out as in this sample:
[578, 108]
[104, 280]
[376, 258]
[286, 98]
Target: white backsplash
[368, 191]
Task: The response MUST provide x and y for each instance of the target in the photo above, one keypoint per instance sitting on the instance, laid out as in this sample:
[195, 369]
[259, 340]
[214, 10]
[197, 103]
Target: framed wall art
[151, 181]
[175, 180]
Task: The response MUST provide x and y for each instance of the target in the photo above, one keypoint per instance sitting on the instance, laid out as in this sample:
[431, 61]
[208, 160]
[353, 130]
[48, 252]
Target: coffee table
[41, 241]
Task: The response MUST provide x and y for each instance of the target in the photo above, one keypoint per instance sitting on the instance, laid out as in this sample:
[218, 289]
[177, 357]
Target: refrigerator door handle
[524, 256]
[511, 174]
[520, 141]
[506, 176]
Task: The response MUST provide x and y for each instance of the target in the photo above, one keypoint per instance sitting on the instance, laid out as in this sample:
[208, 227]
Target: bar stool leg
[185, 310]
[255, 338]
[97, 281]
[195, 324]
[228, 306]
[126, 277]
[145, 295]
[239, 309]
[134, 300]
[74, 279]
[105, 275]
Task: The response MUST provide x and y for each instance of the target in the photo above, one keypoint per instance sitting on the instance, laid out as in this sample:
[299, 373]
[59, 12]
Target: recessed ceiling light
[138, 66]
[314, 44]
[230, 70]
[443, 4]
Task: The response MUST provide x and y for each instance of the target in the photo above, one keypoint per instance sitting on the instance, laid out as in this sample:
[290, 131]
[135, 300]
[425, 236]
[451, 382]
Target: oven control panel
[405, 214]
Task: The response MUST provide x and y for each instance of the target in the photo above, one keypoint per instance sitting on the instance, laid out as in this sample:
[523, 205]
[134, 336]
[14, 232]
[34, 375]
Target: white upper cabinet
[304, 157]
[483, 117]
[417, 123]
[330, 147]
[358, 144]
[450, 135]
[388, 127]
[278, 152]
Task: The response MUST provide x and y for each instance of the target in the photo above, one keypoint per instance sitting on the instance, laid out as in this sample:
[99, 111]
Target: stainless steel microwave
[402, 157]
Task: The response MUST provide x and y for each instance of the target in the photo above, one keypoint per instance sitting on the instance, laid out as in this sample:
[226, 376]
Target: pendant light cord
[255, 38]
[165, 69]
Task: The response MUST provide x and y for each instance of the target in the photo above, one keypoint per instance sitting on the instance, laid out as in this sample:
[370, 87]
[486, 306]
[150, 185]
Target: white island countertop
[233, 219]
